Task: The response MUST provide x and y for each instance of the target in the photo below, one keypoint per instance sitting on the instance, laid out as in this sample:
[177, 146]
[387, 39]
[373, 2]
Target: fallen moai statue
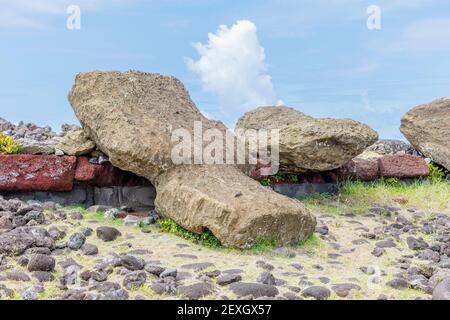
[131, 117]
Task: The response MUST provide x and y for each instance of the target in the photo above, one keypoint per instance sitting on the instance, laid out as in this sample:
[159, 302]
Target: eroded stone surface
[76, 143]
[403, 166]
[427, 127]
[309, 144]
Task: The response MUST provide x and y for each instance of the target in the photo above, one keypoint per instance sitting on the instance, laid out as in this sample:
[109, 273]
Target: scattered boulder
[388, 243]
[76, 241]
[16, 242]
[398, 283]
[170, 272]
[316, 292]
[427, 127]
[132, 263]
[43, 276]
[6, 223]
[344, 289]
[76, 143]
[107, 291]
[15, 276]
[257, 290]
[442, 290]
[308, 144]
[107, 233]
[155, 270]
[89, 249]
[132, 221]
[134, 280]
[137, 137]
[196, 291]
[226, 279]
[41, 262]
[112, 214]
[99, 275]
[266, 278]
[416, 244]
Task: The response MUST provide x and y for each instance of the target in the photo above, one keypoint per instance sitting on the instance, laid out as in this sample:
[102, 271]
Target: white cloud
[232, 66]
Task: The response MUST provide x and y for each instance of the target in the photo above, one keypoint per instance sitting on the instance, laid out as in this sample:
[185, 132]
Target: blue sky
[318, 56]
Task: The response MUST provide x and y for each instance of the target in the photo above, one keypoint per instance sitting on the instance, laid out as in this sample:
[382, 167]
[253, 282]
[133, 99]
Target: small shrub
[8, 145]
[436, 174]
[206, 238]
[393, 182]
[266, 182]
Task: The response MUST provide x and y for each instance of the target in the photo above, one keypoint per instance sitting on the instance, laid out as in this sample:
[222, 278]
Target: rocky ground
[396, 251]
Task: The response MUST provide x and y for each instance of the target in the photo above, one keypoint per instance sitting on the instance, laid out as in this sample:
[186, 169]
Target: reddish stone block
[403, 166]
[26, 172]
[104, 175]
[360, 169]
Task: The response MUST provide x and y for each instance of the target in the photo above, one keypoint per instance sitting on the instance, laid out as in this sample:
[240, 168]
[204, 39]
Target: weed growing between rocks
[209, 240]
[206, 238]
[437, 173]
[90, 215]
[262, 246]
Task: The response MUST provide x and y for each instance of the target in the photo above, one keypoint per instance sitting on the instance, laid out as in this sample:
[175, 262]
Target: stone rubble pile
[34, 139]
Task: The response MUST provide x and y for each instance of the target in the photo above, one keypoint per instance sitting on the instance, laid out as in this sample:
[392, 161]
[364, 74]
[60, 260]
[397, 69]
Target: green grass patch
[91, 215]
[266, 246]
[358, 197]
[280, 177]
[262, 246]
[206, 238]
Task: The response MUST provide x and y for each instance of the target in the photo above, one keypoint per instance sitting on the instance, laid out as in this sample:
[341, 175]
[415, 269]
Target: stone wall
[72, 181]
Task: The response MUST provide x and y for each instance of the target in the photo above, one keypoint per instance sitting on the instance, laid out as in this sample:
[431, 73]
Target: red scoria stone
[360, 169]
[104, 175]
[26, 172]
[403, 166]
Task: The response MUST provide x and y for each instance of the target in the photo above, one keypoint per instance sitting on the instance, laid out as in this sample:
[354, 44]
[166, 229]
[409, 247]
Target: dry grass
[358, 197]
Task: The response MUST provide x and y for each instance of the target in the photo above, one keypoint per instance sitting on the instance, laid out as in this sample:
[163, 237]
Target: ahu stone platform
[72, 181]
